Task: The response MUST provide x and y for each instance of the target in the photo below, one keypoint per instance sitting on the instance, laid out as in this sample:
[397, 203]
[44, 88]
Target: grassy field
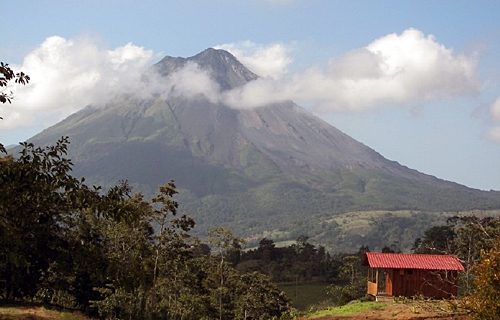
[350, 309]
[305, 296]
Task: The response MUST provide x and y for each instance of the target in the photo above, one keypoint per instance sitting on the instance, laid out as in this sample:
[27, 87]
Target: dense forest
[114, 254]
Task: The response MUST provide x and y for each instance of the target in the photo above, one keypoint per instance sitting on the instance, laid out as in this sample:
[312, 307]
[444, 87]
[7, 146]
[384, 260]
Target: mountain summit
[265, 171]
[224, 68]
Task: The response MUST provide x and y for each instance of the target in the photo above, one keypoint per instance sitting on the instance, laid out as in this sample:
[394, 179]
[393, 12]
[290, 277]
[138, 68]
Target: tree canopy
[6, 76]
[112, 253]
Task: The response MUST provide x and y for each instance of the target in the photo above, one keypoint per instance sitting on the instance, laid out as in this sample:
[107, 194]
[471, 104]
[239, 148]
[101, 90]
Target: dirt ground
[419, 310]
[35, 313]
[415, 310]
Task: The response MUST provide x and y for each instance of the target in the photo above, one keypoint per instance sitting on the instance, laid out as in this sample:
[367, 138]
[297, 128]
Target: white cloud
[394, 69]
[191, 81]
[269, 61]
[256, 93]
[66, 75]
[405, 68]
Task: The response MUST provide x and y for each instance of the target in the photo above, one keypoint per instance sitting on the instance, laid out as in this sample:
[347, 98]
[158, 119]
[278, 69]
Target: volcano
[273, 170]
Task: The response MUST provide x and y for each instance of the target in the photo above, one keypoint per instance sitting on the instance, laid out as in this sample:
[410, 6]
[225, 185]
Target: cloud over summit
[66, 75]
[394, 69]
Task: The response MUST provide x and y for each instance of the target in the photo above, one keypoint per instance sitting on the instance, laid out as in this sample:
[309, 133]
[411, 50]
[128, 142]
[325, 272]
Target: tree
[436, 240]
[352, 272]
[113, 253]
[36, 194]
[464, 236]
[126, 236]
[6, 76]
[259, 298]
[224, 241]
[484, 300]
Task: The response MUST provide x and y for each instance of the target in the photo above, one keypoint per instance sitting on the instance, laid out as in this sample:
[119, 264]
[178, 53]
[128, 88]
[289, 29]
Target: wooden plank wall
[430, 283]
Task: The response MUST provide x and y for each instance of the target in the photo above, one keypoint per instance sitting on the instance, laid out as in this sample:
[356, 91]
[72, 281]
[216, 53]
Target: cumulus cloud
[269, 61]
[67, 74]
[409, 67]
[190, 81]
[394, 69]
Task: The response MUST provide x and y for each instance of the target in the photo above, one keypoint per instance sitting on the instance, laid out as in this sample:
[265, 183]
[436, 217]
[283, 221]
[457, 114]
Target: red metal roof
[413, 261]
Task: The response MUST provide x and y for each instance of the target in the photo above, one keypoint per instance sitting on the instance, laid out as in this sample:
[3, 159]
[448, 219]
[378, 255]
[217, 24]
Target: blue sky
[418, 81]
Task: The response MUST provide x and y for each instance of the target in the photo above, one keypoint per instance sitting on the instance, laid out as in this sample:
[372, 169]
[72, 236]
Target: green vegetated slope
[399, 229]
[257, 198]
[276, 170]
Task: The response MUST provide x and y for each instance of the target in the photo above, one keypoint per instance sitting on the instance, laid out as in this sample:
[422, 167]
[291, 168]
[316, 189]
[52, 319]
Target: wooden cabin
[399, 274]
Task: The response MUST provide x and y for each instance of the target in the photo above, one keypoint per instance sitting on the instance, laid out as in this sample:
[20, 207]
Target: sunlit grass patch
[350, 309]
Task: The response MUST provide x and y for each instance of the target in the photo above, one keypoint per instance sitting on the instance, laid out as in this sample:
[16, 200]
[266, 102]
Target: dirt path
[20, 312]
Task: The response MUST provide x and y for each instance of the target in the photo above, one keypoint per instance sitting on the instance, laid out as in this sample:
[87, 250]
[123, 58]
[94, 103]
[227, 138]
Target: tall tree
[36, 194]
[484, 300]
[224, 242]
[436, 240]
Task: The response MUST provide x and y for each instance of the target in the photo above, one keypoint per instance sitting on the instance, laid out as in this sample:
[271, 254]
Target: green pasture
[304, 296]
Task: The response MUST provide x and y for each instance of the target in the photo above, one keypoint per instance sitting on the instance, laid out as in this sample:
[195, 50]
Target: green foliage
[437, 240]
[114, 254]
[351, 309]
[7, 75]
[37, 196]
[484, 300]
[304, 296]
[299, 262]
[464, 236]
[259, 298]
[353, 276]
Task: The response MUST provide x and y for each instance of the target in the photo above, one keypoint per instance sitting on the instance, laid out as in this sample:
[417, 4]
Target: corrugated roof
[413, 261]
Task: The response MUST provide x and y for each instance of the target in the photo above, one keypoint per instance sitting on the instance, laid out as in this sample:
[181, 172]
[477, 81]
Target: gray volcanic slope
[251, 169]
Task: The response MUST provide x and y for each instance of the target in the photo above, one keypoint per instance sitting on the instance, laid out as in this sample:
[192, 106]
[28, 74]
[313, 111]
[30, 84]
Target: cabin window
[409, 271]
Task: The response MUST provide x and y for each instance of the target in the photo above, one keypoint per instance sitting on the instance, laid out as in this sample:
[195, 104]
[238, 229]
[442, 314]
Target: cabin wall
[389, 276]
[430, 283]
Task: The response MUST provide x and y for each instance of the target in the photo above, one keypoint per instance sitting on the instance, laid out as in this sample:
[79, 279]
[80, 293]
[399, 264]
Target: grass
[349, 309]
[305, 296]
